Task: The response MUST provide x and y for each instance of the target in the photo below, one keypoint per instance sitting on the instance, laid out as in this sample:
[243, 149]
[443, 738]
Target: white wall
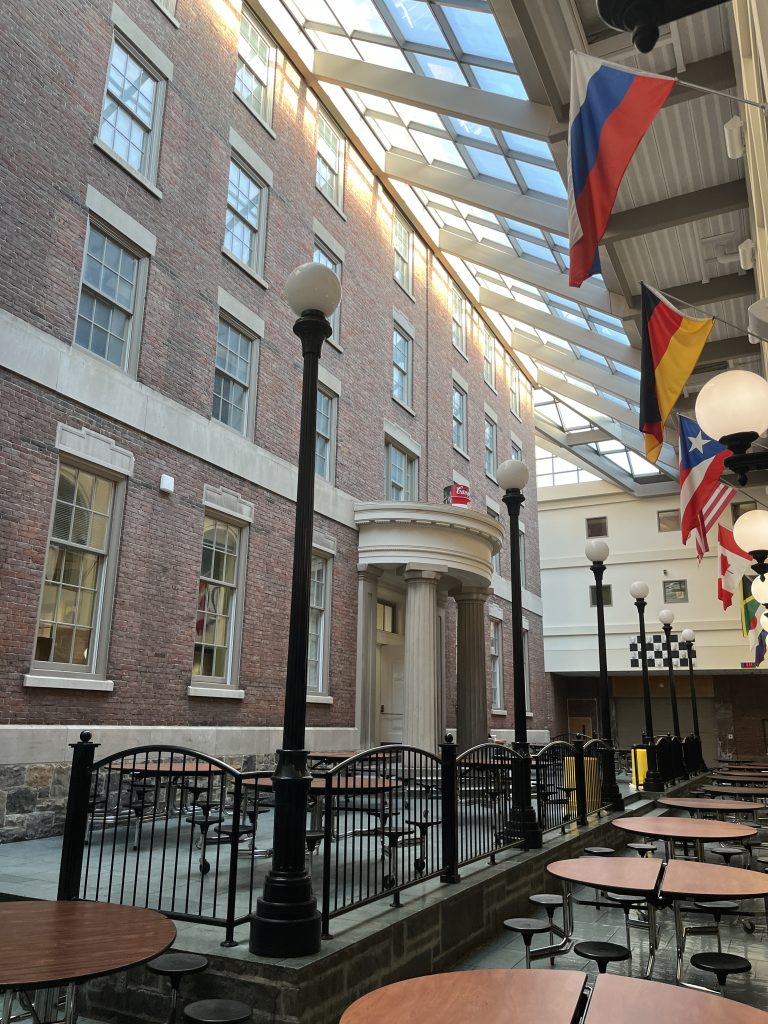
[638, 551]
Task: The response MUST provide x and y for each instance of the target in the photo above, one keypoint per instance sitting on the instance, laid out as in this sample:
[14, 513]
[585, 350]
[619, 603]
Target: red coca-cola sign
[456, 494]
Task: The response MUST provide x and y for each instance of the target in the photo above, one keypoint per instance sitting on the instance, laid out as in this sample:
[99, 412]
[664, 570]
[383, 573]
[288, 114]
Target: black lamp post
[688, 636]
[597, 551]
[666, 618]
[653, 781]
[512, 476]
[287, 922]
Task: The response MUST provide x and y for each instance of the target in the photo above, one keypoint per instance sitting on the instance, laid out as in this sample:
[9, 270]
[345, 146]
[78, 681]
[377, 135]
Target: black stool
[627, 902]
[644, 849]
[729, 850]
[721, 965]
[603, 953]
[527, 927]
[717, 908]
[550, 902]
[599, 851]
[217, 1011]
[175, 967]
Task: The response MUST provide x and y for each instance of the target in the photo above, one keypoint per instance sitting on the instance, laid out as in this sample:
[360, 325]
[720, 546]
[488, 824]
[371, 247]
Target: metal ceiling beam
[717, 289]
[531, 59]
[582, 369]
[560, 328]
[498, 259]
[737, 347]
[604, 406]
[533, 119]
[668, 213]
[587, 457]
[715, 72]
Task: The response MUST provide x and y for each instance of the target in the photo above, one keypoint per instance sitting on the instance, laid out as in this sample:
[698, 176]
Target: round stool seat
[527, 926]
[175, 965]
[642, 848]
[548, 900]
[599, 851]
[603, 953]
[728, 850]
[217, 1011]
[716, 907]
[626, 899]
[721, 964]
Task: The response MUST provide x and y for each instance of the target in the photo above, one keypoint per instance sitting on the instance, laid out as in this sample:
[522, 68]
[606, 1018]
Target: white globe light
[512, 475]
[760, 589]
[764, 621]
[596, 550]
[666, 616]
[733, 402]
[313, 286]
[639, 590]
[750, 531]
[688, 636]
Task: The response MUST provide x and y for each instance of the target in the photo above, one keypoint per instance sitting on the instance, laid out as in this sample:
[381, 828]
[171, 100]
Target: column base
[653, 782]
[285, 929]
[532, 831]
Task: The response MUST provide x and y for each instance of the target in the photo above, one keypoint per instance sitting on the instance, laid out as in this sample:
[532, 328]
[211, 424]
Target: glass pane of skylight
[419, 115]
[341, 46]
[542, 179]
[551, 339]
[492, 164]
[559, 300]
[477, 32]
[596, 314]
[639, 465]
[584, 353]
[609, 332]
[434, 149]
[396, 136]
[360, 16]
[571, 318]
[541, 252]
[628, 371]
[470, 130]
[444, 70]
[500, 81]
[384, 56]
[315, 10]
[572, 420]
[560, 240]
[523, 229]
[531, 147]
[417, 23]
[486, 233]
[528, 300]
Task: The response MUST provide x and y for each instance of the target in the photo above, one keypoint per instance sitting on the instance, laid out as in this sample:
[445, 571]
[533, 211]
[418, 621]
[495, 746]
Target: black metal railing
[556, 785]
[599, 775]
[489, 778]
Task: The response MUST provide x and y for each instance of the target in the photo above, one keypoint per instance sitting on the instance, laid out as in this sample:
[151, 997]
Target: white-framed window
[402, 354]
[497, 674]
[232, 377]
[459, 418]
[597, 526]
[219, 593]
[668, 521]
[319, 625]
[325, 435]
[322, 254]
[458, 319]
[496, 557]
[75, 604]
[246, 216]
[331, 145]
[256, 59]
[490, 448]
[514, 388]
[402, 474]
[489, 355]
[402, 241]
[526, 672]
[516, 452]
[111, 294]
[607, 595]
[130, 113]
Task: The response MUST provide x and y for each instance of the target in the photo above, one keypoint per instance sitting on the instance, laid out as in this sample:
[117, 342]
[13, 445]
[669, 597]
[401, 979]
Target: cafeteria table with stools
[639, 876]
[696, 830]
[698, 804]
[684, 880]
[727, 778]
[525, 997]
[49, 943]
[761, 792]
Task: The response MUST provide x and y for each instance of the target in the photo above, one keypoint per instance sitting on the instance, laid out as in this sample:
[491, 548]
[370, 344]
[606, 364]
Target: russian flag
[611, 110]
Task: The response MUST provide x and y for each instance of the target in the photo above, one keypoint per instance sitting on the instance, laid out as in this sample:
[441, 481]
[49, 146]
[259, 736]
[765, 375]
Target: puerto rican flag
[611, 109]
[703, 499]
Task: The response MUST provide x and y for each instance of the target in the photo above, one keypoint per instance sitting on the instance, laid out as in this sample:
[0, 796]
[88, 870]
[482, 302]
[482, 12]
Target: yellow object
[639, 765]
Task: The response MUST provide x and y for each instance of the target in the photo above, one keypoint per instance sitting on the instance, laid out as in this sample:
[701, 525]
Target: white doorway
[390, 679]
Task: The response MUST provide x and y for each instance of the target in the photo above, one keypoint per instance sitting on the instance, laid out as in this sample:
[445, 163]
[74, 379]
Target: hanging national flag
[760, 648]
[611, 110]
[703, 499]
[733, 564]
[671, 346]
[750, 609]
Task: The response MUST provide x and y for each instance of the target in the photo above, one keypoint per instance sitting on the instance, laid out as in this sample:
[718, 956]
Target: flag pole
[690, 305]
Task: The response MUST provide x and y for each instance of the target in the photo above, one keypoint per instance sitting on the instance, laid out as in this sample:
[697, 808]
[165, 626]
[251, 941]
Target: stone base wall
[33, 800]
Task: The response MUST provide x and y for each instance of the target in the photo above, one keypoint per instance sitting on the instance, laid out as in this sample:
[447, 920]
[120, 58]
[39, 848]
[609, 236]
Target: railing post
[76, 821]
[234, 849]
[580, 782]
[521, 792]
[449, 799]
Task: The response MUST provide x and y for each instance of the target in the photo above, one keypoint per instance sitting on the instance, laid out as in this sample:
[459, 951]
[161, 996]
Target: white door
[390, 686]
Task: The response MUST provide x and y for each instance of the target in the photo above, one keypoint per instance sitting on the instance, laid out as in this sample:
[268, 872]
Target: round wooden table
[473, 997]
[46, 943]
[619, 1000]
[759, 778]
[697, 830]
[703, 803]
[728, 791]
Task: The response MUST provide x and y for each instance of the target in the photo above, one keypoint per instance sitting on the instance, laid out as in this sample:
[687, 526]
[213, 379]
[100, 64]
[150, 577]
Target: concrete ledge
[69, 683]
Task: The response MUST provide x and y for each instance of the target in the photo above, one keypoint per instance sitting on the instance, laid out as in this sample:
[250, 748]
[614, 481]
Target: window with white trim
[322, 254]
[526, 672]
[489, 355]
[497, 677]
[459, 419]
[516, 452]
[402, 474]
[402, 241]
[110, 293]
[490, 448]
[319, 614]
[402, 347]
[218, 596]
[130, 114]
[72, 599]
[458, 319]
[331, 145]
[325, 435]
[514, 388]
[246, 211]
[232, 377]
[255, 75]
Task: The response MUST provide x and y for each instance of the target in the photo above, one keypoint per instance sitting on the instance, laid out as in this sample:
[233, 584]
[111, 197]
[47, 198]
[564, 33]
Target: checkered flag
[656, 651]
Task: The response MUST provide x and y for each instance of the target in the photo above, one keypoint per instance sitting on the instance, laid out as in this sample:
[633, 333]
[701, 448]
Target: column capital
[369, 572]
[421, 575]
[467, 594]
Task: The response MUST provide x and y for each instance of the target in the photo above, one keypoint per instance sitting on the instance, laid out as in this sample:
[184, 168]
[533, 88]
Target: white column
[365, 671]
[471, 681]
[420, 698]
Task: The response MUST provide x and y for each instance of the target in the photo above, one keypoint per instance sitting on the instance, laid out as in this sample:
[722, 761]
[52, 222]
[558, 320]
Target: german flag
[672, 344]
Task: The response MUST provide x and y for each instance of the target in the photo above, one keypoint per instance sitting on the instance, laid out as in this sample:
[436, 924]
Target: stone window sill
[215, 691]
[498, 711]
[69, 683]
[127, 168]
[319, 698]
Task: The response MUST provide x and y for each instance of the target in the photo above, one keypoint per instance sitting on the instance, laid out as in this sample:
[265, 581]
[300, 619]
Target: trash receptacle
[639, 765]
